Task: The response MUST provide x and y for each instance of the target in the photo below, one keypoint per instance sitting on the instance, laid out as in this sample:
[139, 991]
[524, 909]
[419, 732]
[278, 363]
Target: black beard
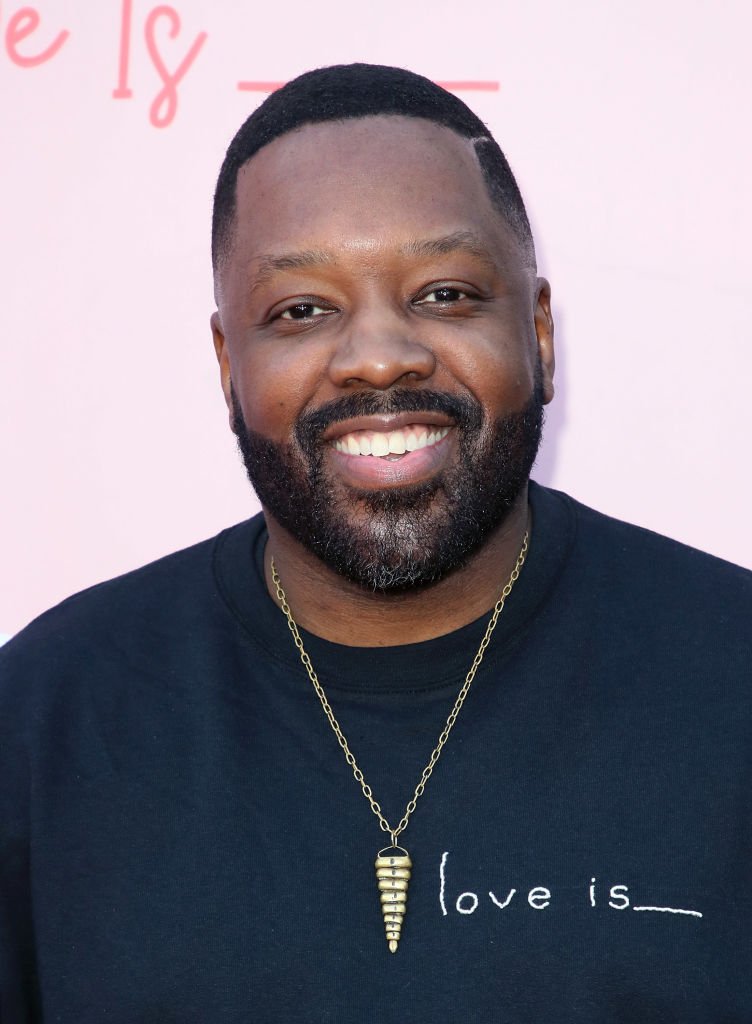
[409, 536]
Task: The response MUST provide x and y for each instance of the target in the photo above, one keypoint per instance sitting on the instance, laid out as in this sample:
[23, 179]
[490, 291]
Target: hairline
[227, 235]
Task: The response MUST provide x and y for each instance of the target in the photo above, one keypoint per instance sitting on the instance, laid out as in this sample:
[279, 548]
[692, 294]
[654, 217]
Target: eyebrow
[457, 241]
[269, 265]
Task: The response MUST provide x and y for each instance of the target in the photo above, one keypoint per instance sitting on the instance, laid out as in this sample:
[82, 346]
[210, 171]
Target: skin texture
[328, 224]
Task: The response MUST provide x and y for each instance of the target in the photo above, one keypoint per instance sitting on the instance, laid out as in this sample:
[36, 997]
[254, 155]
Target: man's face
[385, 351]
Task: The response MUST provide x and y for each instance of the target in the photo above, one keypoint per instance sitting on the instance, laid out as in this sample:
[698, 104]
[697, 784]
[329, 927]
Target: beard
[390, 540]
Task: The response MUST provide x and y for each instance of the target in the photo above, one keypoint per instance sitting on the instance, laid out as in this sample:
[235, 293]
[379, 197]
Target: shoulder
[655, 560]
[633, 583]
[136, 612]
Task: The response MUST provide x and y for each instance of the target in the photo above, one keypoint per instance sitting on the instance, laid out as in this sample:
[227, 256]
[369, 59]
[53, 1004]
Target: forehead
[364, 185]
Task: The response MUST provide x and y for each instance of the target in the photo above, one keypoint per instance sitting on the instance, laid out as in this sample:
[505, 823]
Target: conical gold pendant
[393, 877]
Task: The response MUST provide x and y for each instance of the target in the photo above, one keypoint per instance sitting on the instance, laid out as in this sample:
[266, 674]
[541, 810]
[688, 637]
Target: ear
[544, 330]
[223, 357]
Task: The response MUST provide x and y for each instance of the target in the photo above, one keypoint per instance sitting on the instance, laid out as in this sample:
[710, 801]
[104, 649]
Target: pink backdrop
[624, 123]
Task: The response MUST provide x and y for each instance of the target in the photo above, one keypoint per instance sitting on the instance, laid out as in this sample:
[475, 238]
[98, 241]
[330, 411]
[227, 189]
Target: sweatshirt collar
[239, 571]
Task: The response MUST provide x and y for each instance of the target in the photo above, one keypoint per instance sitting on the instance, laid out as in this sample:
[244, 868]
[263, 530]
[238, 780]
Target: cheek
[274, 384]
[499, 372]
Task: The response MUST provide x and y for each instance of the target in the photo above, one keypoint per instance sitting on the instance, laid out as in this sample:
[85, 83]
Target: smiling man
[423, 741]
[385, 349]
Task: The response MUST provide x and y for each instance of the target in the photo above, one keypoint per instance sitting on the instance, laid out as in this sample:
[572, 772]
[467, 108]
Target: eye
[304, 311]
[445, 293]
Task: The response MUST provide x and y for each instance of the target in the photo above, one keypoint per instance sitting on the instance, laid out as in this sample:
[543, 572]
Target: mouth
[390, 451]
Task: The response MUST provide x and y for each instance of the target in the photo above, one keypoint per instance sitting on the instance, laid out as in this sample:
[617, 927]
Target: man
[183, 838]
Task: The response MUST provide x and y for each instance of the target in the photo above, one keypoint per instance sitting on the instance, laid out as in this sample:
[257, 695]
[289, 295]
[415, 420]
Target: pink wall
[625, 124]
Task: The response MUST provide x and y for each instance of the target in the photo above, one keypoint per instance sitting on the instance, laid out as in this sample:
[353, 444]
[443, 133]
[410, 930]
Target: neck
[332, 607]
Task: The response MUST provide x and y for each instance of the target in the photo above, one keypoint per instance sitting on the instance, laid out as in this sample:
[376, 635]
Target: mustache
[466, 412]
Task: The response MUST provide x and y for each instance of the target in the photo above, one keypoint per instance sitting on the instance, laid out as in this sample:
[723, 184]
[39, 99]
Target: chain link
[436, 754]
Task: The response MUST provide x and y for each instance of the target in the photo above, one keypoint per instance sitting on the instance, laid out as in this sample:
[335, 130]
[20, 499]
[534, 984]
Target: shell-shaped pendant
[393, 877]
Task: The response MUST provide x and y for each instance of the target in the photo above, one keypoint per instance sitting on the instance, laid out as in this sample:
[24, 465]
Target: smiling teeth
[396, 442]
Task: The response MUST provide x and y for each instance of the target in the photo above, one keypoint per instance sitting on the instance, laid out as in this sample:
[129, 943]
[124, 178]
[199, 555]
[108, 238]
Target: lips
[367, 459]
[367, 448]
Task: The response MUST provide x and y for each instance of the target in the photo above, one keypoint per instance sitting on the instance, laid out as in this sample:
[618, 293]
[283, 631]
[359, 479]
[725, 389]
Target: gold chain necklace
[393, 863]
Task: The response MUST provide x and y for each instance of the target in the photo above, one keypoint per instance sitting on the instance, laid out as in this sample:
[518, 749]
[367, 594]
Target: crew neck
[239, 573]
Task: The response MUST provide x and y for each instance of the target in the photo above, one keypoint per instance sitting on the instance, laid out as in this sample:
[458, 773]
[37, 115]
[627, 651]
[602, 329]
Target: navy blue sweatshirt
[182, 841]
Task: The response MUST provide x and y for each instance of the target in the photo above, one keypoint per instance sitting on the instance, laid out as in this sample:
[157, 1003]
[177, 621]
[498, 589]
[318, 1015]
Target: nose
[376, 350]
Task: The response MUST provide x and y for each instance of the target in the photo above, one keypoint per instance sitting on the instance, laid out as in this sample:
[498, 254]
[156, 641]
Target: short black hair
[363, 90]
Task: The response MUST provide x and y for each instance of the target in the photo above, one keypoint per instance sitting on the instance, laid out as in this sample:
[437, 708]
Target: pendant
[393, 877]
